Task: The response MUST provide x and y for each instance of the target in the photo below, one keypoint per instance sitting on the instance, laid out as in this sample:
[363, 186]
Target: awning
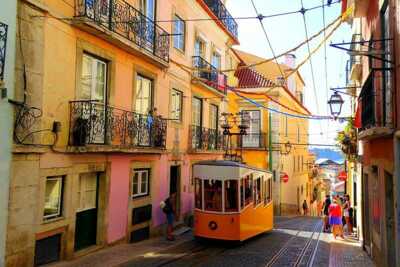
[357, 118]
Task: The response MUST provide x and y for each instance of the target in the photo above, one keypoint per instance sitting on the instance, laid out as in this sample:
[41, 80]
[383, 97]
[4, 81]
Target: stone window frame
[61, 198]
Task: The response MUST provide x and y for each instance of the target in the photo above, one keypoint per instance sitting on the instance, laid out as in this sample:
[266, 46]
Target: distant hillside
[327, 153]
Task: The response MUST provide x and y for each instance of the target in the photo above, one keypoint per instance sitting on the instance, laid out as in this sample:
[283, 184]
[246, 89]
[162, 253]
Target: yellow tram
[233, 201]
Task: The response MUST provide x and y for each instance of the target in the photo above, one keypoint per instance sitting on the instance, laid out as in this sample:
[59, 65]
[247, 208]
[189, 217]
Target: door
[148, 8]
[213, 131]
[197, 111]
[390, 230]
[98, 10]
[174, 186]
[366, 214]
[86, 215]
[252, 139]
[93, 88]
[143, 106]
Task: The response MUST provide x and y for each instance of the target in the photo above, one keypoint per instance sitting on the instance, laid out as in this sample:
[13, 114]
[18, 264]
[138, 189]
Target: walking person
[325, 209]
[346, 214]
[305, 207]
[335, 219]
[168, 207]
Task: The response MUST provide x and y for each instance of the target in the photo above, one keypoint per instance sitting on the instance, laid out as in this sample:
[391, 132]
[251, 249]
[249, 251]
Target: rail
[122, 18]
[92, 122]
[201, 138]
[220, 11]
[209, 74]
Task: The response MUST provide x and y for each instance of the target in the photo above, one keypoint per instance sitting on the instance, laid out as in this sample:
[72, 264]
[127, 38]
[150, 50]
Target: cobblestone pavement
[295, 241]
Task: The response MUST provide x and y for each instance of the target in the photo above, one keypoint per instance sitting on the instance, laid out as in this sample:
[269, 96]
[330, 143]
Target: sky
[288, 31]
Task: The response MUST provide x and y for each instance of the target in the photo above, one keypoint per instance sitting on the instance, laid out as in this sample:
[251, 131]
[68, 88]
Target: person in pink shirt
[335, 218]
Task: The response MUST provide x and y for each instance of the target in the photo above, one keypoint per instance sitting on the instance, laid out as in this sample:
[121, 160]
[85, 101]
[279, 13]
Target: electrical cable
[326, 62]
[268, 40]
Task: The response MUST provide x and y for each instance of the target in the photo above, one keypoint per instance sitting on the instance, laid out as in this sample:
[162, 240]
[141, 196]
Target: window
[53, 197]
[143, 94]
[213, 117]
[93, 79]
[140, 182]
[87, 192]
[216, 60]
[387, 75]
[147, 7]
[176, 105]
[213, 195]
[200, 48]
[268, 191]
[179, 33]
[231, 196]
[252, 138]
[257, 191]
[197, 109]
[246, 188]
[198, 193]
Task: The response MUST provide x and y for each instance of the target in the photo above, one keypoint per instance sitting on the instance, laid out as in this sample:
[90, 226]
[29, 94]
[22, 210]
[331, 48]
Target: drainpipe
[270, 141]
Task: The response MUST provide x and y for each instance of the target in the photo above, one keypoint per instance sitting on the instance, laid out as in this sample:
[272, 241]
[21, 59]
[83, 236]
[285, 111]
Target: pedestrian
[335, 218]
[305, 207]
[346, 214]
[325, 209]
[168, 207]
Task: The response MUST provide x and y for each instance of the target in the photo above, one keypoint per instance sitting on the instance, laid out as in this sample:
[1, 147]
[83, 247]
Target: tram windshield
[231, 196]
[213, 195]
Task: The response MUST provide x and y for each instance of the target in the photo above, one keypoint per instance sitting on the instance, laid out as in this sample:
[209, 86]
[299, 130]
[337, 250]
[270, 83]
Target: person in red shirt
[335, 218]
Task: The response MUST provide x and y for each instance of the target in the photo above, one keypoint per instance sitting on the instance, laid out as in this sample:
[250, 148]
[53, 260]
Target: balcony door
[148, 9]
[98, 10]
[213, 131]
[197, 111]
[252, 139]
[93, 88]
[143, 106]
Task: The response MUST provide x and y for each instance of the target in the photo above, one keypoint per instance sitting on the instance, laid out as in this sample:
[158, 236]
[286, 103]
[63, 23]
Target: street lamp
[286, 148]
[335, 104]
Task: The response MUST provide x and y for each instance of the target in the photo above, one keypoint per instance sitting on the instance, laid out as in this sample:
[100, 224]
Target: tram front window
[246, 188]
[231, 196]
[198, 193]
[213, 195]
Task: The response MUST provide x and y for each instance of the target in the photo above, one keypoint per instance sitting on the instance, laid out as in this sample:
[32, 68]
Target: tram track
[290, 245]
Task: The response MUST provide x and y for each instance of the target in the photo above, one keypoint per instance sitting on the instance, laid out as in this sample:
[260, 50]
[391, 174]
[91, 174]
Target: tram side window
[268, 193]
[257, 191]
[213, 195]
[247, 187]
[231, 195]
[198, 193]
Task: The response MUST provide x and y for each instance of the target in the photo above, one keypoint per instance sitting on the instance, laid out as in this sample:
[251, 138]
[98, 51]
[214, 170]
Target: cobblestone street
[295, 241]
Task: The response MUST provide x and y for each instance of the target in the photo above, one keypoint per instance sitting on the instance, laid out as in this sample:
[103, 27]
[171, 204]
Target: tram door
[174, 186]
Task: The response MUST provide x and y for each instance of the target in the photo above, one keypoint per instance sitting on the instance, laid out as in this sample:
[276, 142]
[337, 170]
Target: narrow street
[295, 241]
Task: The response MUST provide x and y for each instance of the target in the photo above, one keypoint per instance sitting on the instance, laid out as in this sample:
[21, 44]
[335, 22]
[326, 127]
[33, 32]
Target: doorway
[86, 214]
[174, 185]
[366, 214]
[390, 230]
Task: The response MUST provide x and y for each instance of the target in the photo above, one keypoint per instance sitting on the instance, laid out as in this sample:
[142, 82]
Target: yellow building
[264, 146]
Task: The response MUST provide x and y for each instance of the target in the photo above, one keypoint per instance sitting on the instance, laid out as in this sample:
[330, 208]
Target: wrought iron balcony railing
[220, 11]
[92, 122]
[3, 43]
[122, 18]
[205, 139]
[252, 140]
[209, 74]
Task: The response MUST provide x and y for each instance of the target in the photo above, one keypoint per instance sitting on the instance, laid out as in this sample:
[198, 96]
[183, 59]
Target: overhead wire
[268, 40]
[325, 61]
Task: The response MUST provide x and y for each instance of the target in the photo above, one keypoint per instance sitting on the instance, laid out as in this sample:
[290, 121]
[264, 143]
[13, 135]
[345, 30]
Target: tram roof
[229, 163]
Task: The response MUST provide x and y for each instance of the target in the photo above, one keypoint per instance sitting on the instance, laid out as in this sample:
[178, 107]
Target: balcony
[3, 43]
[204, 139]
[209, 75]
[220, 11]
[375, 120]
[252, 141]
[93, 123]
[354, 67]
[122, 24]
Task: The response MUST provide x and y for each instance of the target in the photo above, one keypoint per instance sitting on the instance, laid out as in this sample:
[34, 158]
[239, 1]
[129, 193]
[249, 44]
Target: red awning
[249, 78]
